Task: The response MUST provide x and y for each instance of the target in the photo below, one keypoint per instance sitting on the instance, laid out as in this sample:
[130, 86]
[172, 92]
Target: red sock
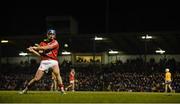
[61, 86]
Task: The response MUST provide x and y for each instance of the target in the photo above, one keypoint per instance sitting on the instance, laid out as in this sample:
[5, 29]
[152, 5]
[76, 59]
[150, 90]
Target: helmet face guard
[51, 32]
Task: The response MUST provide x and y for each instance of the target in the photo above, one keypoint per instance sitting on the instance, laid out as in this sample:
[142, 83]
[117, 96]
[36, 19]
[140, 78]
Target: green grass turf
[88, 97]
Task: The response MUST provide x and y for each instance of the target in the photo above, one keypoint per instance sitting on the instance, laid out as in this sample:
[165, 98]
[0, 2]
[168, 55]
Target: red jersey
[52, 53]
[72, 75]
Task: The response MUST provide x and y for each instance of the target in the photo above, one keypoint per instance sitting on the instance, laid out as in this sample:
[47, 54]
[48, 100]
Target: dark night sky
[91, 17]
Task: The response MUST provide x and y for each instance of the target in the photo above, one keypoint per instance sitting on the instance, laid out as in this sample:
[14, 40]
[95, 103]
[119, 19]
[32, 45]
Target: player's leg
[170, 88]
[54, 82]
[73, 86]
[56, 72]
[166, 85]
[52, 85]
[37, 77]
[68, 87]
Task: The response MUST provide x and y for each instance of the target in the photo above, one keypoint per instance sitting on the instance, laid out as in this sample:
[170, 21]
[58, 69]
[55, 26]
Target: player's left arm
[48, 47]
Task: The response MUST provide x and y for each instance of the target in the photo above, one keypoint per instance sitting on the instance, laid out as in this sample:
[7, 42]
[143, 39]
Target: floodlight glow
[23, 54]
[65, 45]
[146, 37]
[160, 51]
[98, 38]
[4, 41]
[66, 53]
[113, 52]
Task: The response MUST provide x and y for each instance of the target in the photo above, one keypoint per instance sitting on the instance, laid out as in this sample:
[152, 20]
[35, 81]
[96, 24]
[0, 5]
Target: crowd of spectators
[132, 75]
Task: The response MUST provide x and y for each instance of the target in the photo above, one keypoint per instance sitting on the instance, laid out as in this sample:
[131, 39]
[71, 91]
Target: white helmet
[167, 70]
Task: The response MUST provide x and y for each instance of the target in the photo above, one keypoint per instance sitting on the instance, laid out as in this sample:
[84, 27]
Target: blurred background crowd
[132, 75]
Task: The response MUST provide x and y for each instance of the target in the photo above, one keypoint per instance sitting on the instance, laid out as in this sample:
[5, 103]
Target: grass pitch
[88, 97]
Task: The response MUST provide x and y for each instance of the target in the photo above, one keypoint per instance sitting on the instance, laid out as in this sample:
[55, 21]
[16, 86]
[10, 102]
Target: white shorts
[45, 65]
[168, 82]
[72, 81]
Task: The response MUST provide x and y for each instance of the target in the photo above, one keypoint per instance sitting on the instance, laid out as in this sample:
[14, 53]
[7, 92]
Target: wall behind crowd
[20, 59]
[105, 58]
[124, 58]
